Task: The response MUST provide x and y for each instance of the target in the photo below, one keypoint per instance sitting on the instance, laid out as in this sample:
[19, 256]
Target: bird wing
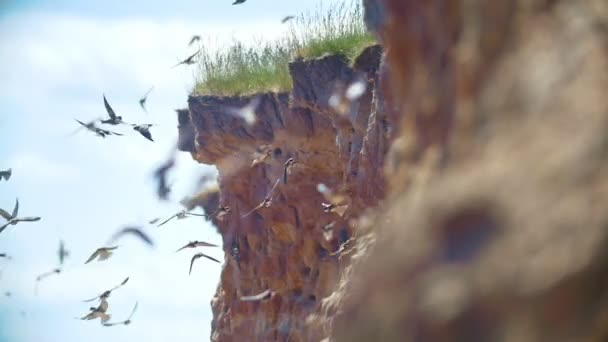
[148, 92]
[153, 221]
[109, 108]
[286, 19]
[133, 311]
[204, 244]
[211, 258]
[188, 245]
[93, 256]
[194, 39]
[195, 214]
[16, 208]
[120, 285]
[5, 214]
[4, 226]
[256, 208]
[259, 296]
[28, 219]
[196, 256]
[167, 220]
[146, 134]
[90, 300]
[134, 231]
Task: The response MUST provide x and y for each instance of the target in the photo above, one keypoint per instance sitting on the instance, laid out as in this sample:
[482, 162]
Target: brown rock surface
[289, 245]
[493, 222]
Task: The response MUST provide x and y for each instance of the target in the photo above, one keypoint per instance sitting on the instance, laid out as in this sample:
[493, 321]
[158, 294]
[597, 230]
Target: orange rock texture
[277, 234]
[469, 182]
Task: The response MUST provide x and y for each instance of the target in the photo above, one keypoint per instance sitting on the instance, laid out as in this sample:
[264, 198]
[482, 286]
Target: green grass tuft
[240, 69]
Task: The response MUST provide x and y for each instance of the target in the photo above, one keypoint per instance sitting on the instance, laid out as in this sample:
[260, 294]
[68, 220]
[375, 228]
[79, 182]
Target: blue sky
[57, 58]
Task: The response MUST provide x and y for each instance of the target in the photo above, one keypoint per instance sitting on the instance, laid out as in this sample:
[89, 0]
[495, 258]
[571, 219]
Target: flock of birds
[100, 254]
[247, 113]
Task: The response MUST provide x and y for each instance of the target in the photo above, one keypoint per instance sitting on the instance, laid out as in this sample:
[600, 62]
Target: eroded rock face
[485, 220]
[496, 222]
[298, 140]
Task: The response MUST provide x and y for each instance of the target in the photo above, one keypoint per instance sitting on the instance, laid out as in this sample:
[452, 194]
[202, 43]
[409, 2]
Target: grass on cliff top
[240, 69]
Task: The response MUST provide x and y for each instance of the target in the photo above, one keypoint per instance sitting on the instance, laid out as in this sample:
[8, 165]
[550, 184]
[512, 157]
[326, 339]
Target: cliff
[469, 189]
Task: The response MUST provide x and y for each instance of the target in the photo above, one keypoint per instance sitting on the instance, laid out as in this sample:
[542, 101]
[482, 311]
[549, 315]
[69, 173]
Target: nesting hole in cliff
[306, 271]
[277, 152]
[465, 232]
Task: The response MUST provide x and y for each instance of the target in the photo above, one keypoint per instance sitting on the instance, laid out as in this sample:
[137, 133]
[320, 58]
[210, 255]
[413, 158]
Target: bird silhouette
[6, 256]
[102, 254]
[106, 294]
[114, 119]
[98, 312]
[181, 215]
[125, 322]
[98, 131]
[12, 219]
[160, 174]
[286, 19]
[144, 129]
[190, 60]
[247, 112]
[267, 200]
[142, 101]
[44, 276]
[198, 256]
[136, 231]
[195, 244]
[195, 38]
[6, 174]
[62, 252]
[237, 2]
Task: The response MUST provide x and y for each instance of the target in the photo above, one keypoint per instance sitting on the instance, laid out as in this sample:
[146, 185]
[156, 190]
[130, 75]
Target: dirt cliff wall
[290, 245]
[473, 168]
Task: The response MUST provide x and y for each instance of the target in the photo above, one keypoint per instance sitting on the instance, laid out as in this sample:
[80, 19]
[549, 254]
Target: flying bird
[142, 101]
[125, 322]
[286, 19]
[153, 221]
[238, 2]
[195, 38]
[181, 215]
[6, 256]
[160, 174]
[144, 129]
[12, 219]
[247, 113]
[102, 253]
[195, 244]
[114, 119]
[6, 174]
[136, 231]
[287, 168]
[267, 200]
[62, 252]
[98, 131]
[188, 61]
[98, 312]
[106, 294]
[199, 255]
[261, 296]
[44, 276]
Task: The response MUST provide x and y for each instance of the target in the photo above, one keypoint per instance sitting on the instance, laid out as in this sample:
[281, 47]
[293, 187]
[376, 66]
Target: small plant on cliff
[240, 69]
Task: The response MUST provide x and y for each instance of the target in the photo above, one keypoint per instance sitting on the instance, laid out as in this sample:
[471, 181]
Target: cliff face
[289, 245]
[486, 219]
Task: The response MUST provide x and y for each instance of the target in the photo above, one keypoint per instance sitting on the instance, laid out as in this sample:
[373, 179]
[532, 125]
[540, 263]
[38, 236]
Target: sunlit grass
[240, 69]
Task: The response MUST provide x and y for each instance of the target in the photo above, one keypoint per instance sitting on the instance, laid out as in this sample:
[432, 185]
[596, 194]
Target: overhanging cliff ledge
[287, 247]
